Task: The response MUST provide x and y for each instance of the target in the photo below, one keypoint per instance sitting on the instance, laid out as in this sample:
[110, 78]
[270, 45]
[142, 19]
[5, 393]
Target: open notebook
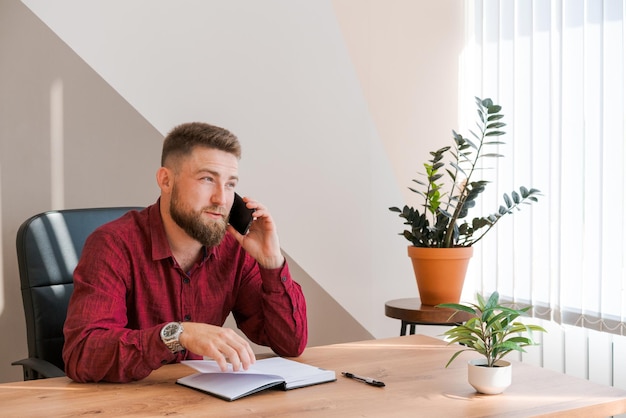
[263, 374]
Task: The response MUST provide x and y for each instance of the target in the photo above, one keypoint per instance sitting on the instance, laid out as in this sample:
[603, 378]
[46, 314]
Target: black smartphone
[240, 216]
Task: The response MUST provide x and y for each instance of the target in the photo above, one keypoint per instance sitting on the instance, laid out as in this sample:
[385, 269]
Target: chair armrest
[35, 368]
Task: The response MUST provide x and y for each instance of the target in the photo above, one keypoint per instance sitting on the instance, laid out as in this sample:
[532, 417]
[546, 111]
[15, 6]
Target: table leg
[407, 325]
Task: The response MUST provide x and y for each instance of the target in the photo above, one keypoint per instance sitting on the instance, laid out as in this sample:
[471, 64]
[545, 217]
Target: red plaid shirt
[127, 286]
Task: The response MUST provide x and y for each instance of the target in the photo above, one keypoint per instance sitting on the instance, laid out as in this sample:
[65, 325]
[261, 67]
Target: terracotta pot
[489, 380]
[440, 273]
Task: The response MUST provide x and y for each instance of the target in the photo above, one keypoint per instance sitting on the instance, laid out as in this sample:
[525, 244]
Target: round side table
[411, 312]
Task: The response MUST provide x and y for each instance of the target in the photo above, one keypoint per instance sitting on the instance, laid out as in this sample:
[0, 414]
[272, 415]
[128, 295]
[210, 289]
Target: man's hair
[184, 138]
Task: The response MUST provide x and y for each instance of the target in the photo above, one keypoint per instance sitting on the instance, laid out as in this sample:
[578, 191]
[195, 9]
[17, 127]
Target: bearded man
[156, 286]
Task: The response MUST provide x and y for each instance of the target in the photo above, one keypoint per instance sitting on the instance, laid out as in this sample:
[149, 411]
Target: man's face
[203, 193]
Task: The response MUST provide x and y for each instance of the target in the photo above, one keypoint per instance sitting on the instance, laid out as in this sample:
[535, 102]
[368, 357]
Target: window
[557, 68]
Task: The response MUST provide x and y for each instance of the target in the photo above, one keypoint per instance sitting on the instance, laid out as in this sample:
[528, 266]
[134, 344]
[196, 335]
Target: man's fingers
[221, 344]
[221, 361]
[240, 355]
[235, 350]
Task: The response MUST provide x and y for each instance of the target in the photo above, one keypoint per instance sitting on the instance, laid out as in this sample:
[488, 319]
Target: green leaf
[493, 108]
[523, 191]
[521, 340]
[470, 143]
[492, 155]
[458, 168]
[481, 301]
[508, 346]
[455, 355]
[496, 125]
[457, 307]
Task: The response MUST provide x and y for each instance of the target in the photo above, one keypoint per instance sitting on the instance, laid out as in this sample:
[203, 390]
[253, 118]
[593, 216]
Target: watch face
[170, 330]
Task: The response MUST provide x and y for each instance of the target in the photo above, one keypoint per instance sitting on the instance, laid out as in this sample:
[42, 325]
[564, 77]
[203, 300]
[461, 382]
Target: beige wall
[335, 149]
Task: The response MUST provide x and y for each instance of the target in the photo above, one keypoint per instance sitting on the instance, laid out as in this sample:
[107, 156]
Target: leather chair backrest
[48, 248]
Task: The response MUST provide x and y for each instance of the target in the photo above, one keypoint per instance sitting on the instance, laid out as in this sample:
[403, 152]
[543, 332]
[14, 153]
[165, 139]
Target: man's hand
[261, 241]
[221, 344]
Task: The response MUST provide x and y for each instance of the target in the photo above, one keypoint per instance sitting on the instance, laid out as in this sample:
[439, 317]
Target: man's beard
[209, 233]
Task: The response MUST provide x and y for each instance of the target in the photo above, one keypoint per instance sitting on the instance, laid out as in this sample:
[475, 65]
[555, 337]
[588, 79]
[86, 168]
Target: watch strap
[170, 335]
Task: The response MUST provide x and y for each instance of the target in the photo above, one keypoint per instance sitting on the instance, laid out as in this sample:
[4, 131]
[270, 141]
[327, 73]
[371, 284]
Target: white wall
[336, 103]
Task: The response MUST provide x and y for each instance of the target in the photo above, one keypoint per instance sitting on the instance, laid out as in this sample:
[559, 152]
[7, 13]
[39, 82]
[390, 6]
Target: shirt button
[187, 317]
[163, 361]
[283, 279]
[186, 280]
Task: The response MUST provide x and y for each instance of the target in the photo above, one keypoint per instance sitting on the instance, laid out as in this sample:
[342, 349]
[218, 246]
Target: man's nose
[219, 196]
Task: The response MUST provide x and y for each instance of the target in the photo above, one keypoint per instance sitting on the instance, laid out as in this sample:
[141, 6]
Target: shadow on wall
[329, 322]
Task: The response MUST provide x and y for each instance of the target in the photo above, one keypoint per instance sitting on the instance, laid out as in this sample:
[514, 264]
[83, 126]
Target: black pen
[367, 380]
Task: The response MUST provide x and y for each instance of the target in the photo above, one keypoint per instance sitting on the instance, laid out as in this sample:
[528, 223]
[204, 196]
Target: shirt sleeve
[98, 344]
[280, 321]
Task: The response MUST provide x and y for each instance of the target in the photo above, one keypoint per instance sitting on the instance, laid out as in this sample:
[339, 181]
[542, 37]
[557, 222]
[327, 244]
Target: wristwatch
[170, 335]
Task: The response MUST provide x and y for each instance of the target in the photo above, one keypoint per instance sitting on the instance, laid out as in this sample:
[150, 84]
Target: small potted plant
[492, 332]
[437, 228]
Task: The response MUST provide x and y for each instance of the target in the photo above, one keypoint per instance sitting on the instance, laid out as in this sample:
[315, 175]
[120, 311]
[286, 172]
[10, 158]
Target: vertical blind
[557, 69]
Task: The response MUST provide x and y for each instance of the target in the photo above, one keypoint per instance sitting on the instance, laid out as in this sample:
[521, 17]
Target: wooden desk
[411, 312]
[418, 384]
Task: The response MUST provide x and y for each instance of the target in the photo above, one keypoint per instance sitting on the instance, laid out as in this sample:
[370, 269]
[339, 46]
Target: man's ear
[164, 179]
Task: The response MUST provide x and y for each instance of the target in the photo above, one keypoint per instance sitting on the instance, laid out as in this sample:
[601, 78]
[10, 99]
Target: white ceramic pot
[489, 380]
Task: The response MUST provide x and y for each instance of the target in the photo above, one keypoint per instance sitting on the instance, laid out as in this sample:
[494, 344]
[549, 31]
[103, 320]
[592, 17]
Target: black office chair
[48, 247]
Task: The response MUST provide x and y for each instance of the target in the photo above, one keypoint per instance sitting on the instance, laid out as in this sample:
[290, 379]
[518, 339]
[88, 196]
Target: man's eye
[231, 185]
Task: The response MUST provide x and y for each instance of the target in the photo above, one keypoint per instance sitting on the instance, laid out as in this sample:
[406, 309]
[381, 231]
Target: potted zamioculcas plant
[493, 331]
[440, 233]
